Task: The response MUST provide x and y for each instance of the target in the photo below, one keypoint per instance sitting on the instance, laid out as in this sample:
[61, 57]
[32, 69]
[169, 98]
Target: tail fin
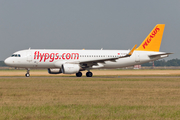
[153, 40]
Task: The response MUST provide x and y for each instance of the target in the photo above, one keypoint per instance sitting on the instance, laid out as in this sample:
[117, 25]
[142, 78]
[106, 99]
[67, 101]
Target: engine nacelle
[70, 68]
[54, 71]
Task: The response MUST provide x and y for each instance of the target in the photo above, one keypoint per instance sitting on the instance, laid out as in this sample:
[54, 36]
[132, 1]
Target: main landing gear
[88, 74]
[27, 74]
[79, 74]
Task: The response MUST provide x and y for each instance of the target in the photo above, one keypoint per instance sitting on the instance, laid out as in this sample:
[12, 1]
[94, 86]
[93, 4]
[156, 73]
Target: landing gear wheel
[27, 74]
[79, 74]
[89, 74]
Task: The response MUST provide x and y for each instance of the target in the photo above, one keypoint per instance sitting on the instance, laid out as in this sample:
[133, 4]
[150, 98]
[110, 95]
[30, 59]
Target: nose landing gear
[27, 74]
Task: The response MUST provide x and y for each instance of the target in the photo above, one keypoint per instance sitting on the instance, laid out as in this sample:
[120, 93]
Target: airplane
[74, 61]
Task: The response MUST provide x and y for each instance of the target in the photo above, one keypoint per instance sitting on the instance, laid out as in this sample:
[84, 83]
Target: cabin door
[29, 56]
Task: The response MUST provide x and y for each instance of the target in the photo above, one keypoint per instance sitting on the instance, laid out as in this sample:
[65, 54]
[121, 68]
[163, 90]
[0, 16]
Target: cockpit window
[15, 55]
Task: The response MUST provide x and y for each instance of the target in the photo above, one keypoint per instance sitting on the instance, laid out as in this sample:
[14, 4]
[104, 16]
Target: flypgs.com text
[54, 56]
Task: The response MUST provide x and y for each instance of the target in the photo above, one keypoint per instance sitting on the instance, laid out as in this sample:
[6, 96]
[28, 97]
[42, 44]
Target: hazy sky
[89, 24]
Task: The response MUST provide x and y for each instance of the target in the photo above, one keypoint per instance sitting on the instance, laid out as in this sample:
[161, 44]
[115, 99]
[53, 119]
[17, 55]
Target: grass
[89, 98]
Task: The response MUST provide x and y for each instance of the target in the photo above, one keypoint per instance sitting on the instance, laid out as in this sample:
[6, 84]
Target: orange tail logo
[153, 40]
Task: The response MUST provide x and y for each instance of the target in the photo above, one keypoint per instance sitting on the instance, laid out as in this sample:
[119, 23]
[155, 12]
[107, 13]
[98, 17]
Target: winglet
[132, 50]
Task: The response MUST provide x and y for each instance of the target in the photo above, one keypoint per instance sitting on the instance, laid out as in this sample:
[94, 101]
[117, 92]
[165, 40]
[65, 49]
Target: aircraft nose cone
[7, 61]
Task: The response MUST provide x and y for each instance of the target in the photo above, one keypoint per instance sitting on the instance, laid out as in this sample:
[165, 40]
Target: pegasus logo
[150, 37]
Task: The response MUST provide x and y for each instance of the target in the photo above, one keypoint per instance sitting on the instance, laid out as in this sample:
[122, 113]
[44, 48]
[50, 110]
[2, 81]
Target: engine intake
[54, 71]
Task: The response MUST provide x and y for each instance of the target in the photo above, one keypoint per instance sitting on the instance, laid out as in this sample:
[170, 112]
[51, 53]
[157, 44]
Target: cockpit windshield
[15, 55]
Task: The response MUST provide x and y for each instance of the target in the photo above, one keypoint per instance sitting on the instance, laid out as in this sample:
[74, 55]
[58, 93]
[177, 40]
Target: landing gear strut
[79, 74]
[27, 74]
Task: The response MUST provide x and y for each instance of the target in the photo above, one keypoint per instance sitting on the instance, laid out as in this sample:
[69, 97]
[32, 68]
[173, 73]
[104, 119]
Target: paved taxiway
[94, 77]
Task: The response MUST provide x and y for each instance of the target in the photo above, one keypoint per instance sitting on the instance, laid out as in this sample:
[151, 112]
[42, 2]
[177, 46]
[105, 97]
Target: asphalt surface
[92, 77]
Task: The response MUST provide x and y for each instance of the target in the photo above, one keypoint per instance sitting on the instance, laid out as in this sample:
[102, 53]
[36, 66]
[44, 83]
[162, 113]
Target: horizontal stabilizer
[160, 55]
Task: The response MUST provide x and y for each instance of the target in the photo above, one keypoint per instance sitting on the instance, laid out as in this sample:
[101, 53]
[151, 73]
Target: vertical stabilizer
[153, 40]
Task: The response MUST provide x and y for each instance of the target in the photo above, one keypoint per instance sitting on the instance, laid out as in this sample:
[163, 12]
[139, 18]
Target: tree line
[172, 62]
[2, 64]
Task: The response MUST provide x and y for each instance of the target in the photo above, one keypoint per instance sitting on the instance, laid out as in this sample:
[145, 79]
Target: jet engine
[70, 68]
[54, 71]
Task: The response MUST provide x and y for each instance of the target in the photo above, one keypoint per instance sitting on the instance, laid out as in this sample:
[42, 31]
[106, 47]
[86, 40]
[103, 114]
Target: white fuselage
[38, 58]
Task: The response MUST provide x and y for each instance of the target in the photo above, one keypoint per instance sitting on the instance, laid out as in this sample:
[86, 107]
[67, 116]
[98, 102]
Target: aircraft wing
[113, 59]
